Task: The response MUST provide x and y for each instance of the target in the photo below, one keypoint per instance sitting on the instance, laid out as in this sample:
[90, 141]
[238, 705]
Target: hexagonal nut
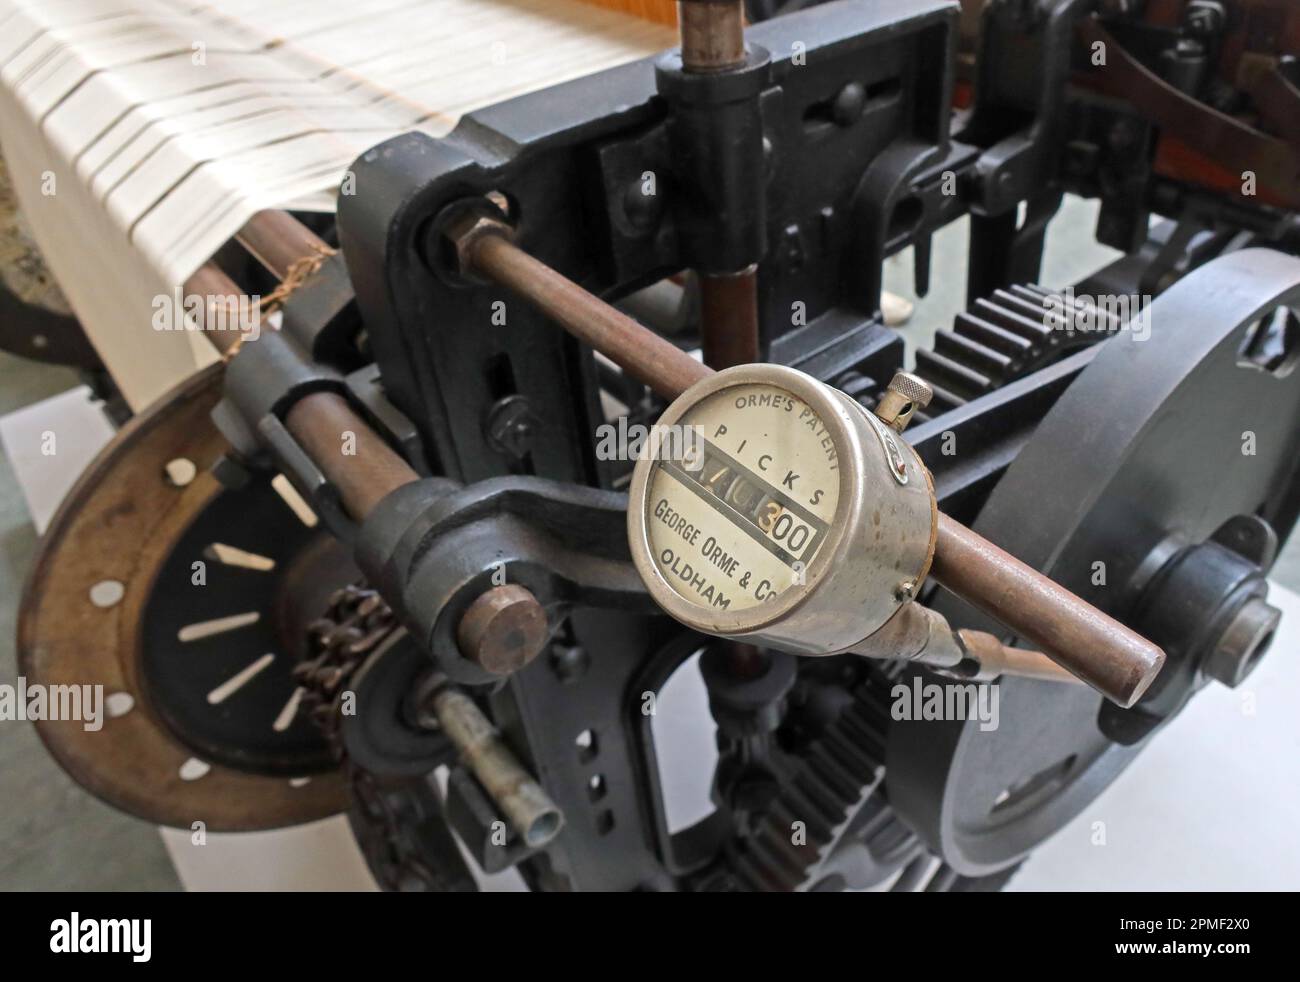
[467, 231]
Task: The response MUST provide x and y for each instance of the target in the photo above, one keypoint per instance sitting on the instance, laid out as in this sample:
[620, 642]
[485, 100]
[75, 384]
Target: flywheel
[189, 602]
[1162, 441]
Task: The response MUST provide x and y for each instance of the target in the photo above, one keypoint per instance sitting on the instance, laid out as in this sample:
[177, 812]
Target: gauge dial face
[741, 497]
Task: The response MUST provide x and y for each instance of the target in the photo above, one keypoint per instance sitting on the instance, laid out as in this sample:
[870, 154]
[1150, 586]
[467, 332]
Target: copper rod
[712, 34]
[729, 318]
[713, 40]
[640, 352]
[350, 454]
[223, 301]
[1110, 657]
[277, 240]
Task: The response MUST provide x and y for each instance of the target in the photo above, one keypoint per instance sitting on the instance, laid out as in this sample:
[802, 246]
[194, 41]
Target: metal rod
[1094, 646]
[712, 42]
[277, 240]
[217, 290]
[712, 34]
[641, 353]
[729, 318]
[996, 658]
[321, 423]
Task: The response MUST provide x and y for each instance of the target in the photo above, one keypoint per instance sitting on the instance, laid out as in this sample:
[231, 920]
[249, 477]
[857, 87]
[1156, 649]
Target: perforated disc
[199, 721]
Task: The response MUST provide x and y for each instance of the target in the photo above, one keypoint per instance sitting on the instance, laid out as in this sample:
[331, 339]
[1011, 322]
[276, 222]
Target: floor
[61, 838]
[58, 837]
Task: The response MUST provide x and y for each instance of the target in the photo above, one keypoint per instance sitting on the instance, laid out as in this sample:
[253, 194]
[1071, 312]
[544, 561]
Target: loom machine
[363, 547]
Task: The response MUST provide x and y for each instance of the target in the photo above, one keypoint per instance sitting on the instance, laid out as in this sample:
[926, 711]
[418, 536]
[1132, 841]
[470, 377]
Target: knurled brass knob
[905, 394]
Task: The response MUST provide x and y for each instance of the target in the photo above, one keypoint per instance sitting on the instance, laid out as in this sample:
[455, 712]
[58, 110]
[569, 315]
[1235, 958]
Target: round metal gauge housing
[769, 507]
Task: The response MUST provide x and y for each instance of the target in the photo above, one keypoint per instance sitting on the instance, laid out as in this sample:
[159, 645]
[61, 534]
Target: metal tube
[524, 802]
[640, 352]
[1110, 657]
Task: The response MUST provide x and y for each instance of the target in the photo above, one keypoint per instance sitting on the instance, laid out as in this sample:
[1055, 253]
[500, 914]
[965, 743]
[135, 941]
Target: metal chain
[398, 825]
[355, 624]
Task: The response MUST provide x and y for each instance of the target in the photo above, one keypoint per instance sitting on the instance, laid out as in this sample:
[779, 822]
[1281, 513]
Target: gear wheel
[835, 786]
[1005, 337]
[829, 796]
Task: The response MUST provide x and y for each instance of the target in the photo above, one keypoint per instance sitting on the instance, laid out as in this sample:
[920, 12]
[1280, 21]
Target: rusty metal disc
[113, 577]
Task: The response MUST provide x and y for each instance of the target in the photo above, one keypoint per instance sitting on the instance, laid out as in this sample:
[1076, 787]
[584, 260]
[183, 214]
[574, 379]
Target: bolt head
[511, 426]
[849, 103]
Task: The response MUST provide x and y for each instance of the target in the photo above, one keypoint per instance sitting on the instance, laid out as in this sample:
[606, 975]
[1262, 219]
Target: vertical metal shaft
[729, 318]
[713, 41]
[712, 34]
